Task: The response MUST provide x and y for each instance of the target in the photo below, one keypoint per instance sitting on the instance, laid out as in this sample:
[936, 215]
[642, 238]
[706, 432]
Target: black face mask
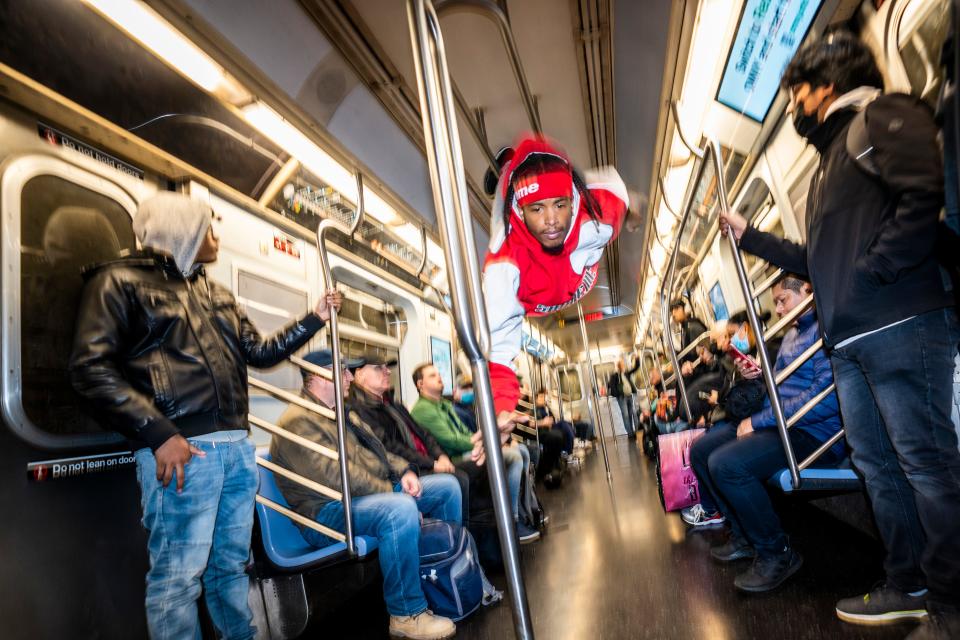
[805, 125]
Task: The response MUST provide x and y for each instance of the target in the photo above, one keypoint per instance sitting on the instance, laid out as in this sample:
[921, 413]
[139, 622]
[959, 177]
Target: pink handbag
[678, 482]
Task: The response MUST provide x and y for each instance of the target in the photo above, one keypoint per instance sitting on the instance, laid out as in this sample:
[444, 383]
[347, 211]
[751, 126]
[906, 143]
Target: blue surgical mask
[740, 343]
[466, 397]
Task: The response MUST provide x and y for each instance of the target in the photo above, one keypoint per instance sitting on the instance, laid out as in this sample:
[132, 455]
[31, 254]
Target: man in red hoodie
[549, 227]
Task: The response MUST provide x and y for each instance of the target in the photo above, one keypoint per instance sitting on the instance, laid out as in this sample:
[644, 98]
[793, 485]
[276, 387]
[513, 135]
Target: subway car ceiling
[285, 123]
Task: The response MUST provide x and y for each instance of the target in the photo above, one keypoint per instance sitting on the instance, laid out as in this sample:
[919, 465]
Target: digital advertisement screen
[769, 33]
[719, 303]
[442, 360]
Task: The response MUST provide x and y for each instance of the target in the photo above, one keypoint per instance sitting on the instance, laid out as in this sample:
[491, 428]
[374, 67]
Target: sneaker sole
[740, 555]
[529, 539]
[773, 586]
[706, 523]
[399, 635]
[876, 620]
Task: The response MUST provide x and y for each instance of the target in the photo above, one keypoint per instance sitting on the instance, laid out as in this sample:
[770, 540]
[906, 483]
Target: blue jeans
[628, 413]
[732, 475]
[895, 391]
[513, 461]
[202, 534]
[394, 520]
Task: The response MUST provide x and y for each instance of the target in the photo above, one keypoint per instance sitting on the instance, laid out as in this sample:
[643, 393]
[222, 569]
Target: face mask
[466, 397]
[740, 344]
[805, 125]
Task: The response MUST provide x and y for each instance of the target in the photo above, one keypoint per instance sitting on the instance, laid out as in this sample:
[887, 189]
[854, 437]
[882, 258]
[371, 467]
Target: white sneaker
[423, 626]
[696, 516]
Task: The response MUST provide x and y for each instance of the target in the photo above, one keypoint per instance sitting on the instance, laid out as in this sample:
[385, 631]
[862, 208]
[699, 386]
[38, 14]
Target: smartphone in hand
[746, 362]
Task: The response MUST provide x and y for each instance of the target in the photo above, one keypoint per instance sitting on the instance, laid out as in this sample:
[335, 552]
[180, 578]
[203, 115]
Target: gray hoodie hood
[173, 223]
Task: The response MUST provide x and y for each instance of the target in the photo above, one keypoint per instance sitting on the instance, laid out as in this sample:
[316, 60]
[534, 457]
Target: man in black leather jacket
[885, 317]
[161, 354]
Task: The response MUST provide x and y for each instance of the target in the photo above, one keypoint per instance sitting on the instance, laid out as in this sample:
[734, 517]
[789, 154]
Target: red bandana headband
[543, 186]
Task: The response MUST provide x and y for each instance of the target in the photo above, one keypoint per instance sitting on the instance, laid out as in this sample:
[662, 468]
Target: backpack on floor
[675, 477]
[450, 572]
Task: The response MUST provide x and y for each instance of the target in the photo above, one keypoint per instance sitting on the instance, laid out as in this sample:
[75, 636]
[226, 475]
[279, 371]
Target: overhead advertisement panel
[769, 33]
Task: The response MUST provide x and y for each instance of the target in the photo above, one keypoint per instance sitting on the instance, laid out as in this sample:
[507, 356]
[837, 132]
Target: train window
[63, 227]
[705, 202]
[921, 33]
[364, 311]
[271, 305]
[570, 384]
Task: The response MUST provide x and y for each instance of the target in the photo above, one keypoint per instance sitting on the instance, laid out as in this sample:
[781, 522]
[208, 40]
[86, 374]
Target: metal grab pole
[324, 227]
[494, 11]
[593, 400]
[448, 184]
[667, 338]
[768, 378]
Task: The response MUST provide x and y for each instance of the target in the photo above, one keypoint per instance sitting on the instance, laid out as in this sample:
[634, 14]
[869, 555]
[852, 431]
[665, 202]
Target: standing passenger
[620, 386]
[885, 316]
[161, 354]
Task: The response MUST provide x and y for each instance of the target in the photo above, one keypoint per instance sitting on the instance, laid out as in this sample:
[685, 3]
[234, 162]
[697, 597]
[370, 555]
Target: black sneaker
[939, 625]
[768, 573]
[883, 605]
[525, 534]
[736, 548]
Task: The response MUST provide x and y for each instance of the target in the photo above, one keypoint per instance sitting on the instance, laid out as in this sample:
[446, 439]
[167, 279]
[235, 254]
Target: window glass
[920, 47]
[64, 227]
[570, 384]
[270, 306]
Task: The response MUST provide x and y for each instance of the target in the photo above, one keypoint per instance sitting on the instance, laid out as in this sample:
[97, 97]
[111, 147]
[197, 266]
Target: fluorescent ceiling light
[318, 161]
[153, 32]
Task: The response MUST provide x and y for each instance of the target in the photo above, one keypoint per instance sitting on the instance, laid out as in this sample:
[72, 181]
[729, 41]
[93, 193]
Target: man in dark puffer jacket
[161, 355]
[886, 317]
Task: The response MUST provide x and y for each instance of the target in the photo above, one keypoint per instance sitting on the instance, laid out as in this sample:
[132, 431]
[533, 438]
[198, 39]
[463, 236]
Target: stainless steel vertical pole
[448, 183]
[593, 399]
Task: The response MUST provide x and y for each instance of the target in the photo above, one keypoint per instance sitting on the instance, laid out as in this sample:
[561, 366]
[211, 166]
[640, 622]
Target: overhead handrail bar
[766, 284]
[663, 197]
[293, 437]
[358, 218]
[328, 283]
[666, 285]
[773, 393]
[496, 13]
[299, 479]
[697, 151]
[296, 517]
[448, 184]
[423, 254]
[593, 398]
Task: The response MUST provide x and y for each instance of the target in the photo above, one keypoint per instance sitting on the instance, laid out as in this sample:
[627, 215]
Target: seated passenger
[388, 498]
[549, 467]
[463, 401]
[564, 428]
[370, 397]
[733, 461]
[437, 415]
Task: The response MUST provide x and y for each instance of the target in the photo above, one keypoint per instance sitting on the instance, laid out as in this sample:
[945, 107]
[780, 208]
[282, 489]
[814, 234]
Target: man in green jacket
[436, 414]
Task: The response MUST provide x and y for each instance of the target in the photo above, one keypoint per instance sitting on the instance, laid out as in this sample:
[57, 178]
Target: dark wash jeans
[732, 475]
[895, 391]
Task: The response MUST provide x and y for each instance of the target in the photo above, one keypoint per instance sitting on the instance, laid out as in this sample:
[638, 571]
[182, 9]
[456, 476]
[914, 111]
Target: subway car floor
[611, 565]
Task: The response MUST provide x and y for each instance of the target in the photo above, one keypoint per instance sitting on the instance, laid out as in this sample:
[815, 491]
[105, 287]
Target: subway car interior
[376, 147]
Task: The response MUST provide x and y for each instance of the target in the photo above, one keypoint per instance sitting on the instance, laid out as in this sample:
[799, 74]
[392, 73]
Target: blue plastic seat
[839, 478]
[284, 544]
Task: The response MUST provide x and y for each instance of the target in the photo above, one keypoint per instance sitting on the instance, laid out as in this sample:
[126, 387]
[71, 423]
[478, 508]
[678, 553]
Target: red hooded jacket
[521, 278]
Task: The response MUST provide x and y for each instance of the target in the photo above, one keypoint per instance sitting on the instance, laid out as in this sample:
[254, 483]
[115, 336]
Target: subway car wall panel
[74, 553]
